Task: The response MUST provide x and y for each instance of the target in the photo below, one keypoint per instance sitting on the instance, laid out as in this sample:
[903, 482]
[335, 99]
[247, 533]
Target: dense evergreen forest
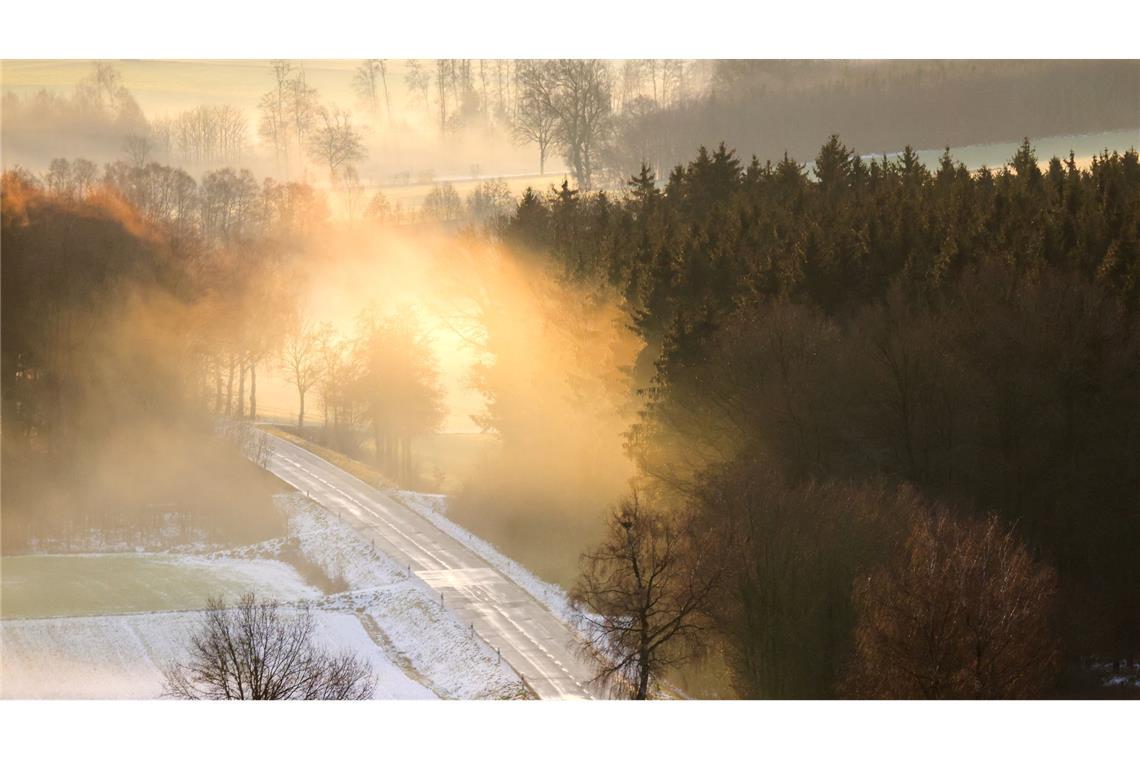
[875, 369]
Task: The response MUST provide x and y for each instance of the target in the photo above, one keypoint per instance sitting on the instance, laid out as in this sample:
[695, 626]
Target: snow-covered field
[123, 656]
[56, 648]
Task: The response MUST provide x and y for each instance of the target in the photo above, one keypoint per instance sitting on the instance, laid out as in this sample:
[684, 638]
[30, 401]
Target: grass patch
[47, 585]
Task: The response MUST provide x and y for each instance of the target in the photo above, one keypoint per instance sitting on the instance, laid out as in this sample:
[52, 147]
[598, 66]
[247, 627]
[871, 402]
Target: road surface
[531, 639]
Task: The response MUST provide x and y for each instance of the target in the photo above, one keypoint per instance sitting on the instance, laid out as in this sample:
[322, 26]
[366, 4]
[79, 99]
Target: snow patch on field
[123, 656]
[374, 608]
[1122, 675]
[334, 546]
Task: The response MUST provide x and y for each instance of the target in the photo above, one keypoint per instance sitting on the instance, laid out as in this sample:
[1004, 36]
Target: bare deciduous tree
[419, 81]
[301, 109]
[364, 81]
[336, 380]
[274, 124]
[583, 105]
[963, 613]
[444, 73]
[336, 142]
[206, 135]
[533, 121]
[57, 180]
[576, 93]
[379, 209]
[491, 200]
[255, 651]
[371, 76]
[301, 359]
[352, 192]
[83, 176]
[228, 206]
[673, 82]
[138, 149]
[442, 204]
[641, 597]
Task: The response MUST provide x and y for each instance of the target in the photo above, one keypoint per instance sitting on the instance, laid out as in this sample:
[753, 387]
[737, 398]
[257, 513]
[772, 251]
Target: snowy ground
[123, 656]
[1125, 677]
[362, 601]
[401, 611]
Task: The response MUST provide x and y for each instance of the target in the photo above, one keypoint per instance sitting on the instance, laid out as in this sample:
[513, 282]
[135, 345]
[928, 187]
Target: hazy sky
[165, 87]
[409, 143]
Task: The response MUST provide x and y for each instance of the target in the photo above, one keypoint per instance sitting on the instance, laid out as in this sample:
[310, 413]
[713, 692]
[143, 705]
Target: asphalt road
[531, 639]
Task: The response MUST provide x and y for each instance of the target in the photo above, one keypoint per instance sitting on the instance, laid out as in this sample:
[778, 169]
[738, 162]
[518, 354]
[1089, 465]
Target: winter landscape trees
[568, 102]
[258, 650]
[963, 613]
[813, 340]
[642, 597]
[876, 402]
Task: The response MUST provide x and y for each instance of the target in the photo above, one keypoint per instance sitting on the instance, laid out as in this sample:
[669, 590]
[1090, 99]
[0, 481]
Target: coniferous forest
[869, 385]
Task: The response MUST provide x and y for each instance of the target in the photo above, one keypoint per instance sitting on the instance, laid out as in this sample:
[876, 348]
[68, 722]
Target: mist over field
[733, 375]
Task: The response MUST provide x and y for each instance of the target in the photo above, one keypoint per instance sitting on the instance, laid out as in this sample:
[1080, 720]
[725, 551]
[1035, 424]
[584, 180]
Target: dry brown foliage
[963, 612]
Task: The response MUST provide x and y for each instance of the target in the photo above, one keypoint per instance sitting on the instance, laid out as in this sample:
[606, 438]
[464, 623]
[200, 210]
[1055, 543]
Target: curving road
[531, 639]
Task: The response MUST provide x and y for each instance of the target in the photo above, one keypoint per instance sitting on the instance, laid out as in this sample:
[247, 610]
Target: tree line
[140, 304]
[93, 119]
[603, 117]
[567, 105]
[887, 395]
[382, 378]
[767, 107]
[297, 126]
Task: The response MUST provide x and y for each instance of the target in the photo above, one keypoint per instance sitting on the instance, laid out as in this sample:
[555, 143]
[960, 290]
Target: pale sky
[163, 88]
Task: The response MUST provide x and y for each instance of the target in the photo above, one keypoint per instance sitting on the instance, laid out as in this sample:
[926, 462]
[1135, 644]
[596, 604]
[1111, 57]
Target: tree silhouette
[257, 651]
[336, 143]
[641, 598]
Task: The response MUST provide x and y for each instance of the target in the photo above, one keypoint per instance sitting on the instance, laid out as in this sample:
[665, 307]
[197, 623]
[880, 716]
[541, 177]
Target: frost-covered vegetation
[113, 623]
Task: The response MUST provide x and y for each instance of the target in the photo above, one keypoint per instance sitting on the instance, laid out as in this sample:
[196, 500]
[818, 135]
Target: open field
[100, 584]
[123, 656]
[114, 621]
